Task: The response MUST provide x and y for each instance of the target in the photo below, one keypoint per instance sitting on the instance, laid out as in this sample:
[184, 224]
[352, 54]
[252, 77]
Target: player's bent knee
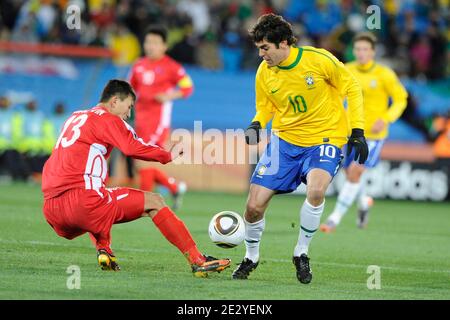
[154, 201]
[253, 212]
[354, 176]
[354, 173]
[353, 179]
[316, 195]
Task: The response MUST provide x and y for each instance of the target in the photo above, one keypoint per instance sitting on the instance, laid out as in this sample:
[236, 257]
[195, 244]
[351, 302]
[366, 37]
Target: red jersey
[79, 157]
[148, 79]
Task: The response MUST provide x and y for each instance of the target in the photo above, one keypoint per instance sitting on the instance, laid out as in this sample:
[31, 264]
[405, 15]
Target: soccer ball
[227, 229]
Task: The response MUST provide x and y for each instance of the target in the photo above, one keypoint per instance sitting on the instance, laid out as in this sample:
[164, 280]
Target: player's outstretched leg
[257, 202]
[310, 213]
[309, 223]
[176, 232]
[345, 200]
[351, 189]
[253, 234]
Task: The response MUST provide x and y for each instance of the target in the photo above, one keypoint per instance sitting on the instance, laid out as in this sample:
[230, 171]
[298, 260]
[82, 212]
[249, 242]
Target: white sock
[345, 200]
[363, 203]
[309, 223]
[253, 234]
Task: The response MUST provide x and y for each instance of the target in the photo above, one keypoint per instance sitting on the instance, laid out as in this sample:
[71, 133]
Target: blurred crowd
[413, 34]
[27, 136]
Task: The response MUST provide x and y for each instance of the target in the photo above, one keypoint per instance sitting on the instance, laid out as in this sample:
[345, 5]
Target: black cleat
[107, 261]
[244, 269]
[363, 215]
[363, 218]
[178, 197]
[304, 274]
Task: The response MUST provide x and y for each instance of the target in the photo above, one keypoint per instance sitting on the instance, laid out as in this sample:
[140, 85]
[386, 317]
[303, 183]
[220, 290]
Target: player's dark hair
[366, 36]
[157, 29]
[119, 88]
[272, 28]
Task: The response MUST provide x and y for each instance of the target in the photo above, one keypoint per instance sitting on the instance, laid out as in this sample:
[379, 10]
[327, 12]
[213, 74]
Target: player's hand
[358, 142]
[176, 150]
[163, 97]
[252, 133]
[170, 96]
[378, 126]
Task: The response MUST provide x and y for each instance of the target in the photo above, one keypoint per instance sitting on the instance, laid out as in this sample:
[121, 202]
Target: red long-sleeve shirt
[79, 157]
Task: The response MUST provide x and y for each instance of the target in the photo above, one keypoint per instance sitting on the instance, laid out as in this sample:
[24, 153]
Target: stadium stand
[43, 60]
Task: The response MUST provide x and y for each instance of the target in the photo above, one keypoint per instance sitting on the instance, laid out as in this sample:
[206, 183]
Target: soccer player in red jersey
[73, 182]
[157, 80]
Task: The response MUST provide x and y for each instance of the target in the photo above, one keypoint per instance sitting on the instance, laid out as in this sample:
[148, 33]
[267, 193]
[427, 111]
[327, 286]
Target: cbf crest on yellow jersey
[379, 83]
[303, 96]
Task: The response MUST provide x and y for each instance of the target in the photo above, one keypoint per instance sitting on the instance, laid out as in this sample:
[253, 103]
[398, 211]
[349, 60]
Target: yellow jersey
[303, 96]
[378, 83]
[126, 49]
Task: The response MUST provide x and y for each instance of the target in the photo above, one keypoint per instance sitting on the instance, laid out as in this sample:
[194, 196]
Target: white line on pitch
[347, 265]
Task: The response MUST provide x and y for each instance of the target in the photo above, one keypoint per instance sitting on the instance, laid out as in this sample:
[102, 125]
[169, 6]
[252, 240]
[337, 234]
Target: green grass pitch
[409, 241]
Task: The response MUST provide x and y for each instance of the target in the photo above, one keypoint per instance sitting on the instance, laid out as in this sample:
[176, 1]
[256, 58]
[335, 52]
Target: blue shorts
[284, 166]
[375, 147]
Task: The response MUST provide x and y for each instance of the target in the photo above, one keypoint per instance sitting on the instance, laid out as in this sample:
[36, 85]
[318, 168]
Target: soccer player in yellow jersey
[379, 83]
[302, 91]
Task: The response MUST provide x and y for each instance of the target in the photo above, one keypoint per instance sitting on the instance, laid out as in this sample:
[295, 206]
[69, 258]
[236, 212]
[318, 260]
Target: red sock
[100, 244]
[93, 240]
[161, 178]
[147, 179]
[176, 232]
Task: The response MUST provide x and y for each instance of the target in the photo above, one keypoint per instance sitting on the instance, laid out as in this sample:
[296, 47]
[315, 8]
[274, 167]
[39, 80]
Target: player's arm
[185, 85]
[122, 136]
[398, 94]
[342, 79]
[264, 111]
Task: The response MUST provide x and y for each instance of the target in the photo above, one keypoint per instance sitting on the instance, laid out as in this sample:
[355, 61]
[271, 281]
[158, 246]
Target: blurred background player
[55, 122]
[379, 84]
[35, 137]
[75, 198]
[301, 89]
[12, 162]
[58, 117]
[157, 80]
[441, 146]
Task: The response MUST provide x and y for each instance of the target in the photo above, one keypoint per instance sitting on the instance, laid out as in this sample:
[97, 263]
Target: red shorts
[78, 211]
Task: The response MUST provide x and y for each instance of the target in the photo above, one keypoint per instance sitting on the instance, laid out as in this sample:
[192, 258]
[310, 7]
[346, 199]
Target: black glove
[252, 133]
[358, 142]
